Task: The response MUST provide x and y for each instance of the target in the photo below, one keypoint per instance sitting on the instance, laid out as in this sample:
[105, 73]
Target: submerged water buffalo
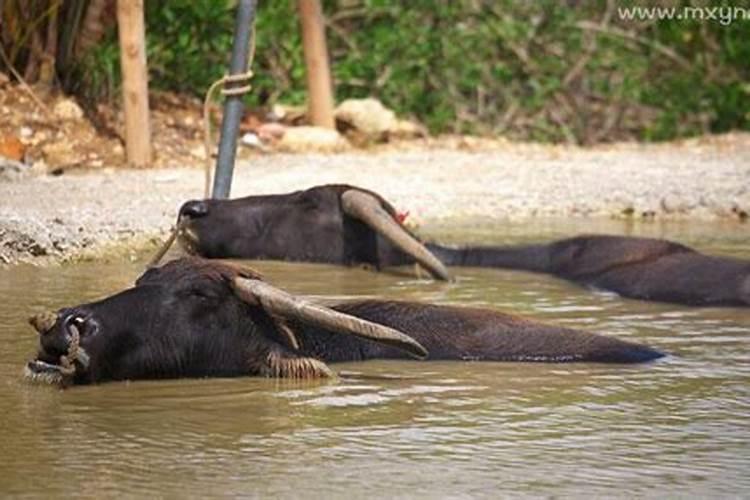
[343, 224]
[198, 318]
[640, 268]
[336, 224]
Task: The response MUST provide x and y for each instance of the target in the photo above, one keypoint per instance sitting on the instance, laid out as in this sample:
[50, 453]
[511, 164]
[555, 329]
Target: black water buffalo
[199, 318]
[336, 224]
[640, 268]
[343, 224]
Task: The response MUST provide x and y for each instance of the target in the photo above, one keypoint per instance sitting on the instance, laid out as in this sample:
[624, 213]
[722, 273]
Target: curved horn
[280, 303]
[368, 209]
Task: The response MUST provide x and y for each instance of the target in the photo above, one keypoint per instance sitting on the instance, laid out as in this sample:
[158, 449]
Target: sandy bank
[44, 218]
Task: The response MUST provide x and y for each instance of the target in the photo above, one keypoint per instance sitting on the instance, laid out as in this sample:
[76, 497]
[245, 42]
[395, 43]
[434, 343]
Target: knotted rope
[226, 91]
[67, 361]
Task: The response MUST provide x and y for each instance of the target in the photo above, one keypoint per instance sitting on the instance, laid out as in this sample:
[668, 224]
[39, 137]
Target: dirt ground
[74, 200]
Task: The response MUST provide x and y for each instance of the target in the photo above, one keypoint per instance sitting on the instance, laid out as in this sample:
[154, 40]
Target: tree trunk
[320, 90]
[47, 66]
[134, 82]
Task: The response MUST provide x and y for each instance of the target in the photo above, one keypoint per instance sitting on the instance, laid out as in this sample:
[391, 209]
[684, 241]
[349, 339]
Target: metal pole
[233, 105]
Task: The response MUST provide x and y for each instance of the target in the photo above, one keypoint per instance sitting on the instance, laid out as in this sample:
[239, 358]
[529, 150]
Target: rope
[165, 246]
[226, 91]
[234, 90]
[67, 361]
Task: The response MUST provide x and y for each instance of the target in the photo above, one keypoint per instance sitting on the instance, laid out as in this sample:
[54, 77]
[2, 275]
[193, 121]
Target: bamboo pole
[320, 90]
[132, 34]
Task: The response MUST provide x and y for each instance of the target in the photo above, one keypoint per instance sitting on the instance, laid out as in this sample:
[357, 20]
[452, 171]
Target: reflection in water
[401, 427]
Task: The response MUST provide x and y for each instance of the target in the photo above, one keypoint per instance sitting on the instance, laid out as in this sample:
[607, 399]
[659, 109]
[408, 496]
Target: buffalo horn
[279, 303]
[368, 209]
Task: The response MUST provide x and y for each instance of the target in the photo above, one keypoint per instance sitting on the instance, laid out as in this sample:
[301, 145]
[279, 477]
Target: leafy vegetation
[551, 71]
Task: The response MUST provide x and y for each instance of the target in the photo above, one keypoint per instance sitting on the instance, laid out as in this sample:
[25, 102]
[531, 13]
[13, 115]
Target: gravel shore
[76, 215]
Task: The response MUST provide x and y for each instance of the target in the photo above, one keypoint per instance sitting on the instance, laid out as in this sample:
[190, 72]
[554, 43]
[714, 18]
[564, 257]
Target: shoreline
[84, 215]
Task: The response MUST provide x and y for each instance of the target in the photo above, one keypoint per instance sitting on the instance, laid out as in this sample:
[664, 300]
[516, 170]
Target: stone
[67, 109]
[407, 129]
[366, 116]
[61, 153]
[198, 151]
[287, 114]
[269, 132]
[12, 170]
[252, 140]
[12, 148]
[306, 138]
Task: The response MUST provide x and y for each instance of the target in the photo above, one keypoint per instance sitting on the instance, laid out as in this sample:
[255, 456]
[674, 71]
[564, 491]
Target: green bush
[541, 71]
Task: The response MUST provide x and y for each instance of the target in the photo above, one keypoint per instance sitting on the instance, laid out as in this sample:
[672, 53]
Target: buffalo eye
[204, 294]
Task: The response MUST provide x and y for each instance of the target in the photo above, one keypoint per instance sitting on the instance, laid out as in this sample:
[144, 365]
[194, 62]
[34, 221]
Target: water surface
[677, 427]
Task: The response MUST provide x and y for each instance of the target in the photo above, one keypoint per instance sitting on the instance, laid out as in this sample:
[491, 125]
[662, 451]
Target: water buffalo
[343, 224]
[198, 318]
[640, 268]
[337, 224]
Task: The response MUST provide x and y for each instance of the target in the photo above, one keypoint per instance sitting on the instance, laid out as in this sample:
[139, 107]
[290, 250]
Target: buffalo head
[191, 318]
[336, 224]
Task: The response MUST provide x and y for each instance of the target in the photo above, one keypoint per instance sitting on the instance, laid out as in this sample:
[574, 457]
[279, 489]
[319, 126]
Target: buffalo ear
[286, 332]
[369, 209]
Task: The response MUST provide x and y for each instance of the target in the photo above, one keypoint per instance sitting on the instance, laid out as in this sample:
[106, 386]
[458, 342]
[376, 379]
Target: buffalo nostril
[194, 209]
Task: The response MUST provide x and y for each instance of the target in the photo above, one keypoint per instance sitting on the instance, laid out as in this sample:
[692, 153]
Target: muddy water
[679, 426]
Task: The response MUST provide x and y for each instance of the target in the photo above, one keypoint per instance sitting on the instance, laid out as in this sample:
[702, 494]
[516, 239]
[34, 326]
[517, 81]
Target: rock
[61, 153]
[198, 151]
[304, 139]
[252, 140]
[12, 148]
[406, 129]
[290, 115]
[67, 109]
[269, 132]
[11, 169]
[366, 116]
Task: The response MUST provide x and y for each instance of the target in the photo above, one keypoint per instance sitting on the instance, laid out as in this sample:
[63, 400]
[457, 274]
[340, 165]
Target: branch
[662, 49]
[21, 81]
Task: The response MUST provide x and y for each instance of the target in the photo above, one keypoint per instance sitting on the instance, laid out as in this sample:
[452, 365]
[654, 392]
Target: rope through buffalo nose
[67, 361]
[162, 251]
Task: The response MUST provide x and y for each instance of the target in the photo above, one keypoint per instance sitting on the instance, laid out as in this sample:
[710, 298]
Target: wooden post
[132, 34]
[320, 90]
